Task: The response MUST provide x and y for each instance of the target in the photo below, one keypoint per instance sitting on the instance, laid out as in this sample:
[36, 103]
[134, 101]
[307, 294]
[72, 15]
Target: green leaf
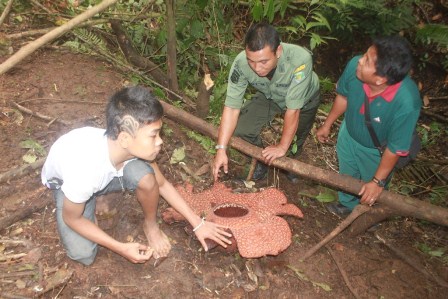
[33, 145]
[437, 253]
[269, 10]
[202, 4]
[178, 155]
[257, 11]
[197, 29]
[326, 197]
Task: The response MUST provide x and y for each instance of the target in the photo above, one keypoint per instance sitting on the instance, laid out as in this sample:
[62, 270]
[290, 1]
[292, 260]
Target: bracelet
[220, 146]
[200, 224]
[380, 183]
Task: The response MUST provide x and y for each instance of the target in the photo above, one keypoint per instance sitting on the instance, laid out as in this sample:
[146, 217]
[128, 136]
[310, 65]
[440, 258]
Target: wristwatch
[380, 183]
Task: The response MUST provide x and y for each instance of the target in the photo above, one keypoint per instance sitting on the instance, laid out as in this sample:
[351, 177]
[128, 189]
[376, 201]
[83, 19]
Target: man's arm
[290, 124]
[338, 108]
[72, 214]
[229, 120]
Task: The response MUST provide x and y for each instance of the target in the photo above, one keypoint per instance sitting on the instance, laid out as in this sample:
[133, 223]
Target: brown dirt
[47, 82]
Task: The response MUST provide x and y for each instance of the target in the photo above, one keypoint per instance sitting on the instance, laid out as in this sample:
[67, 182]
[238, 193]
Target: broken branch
[357, 211]
[41, 116]
[52, 35]
[21, 171]
[6, 11]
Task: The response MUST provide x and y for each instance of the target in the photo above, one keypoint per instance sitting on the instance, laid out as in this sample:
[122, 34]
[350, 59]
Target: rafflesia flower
[251, 217]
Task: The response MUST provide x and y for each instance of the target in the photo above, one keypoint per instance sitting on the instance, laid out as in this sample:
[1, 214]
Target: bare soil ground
[75, 88]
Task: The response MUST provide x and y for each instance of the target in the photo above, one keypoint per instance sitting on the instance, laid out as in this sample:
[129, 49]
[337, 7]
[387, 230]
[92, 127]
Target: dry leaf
[208, 82]
[20, 284]
[425, 101]
[203, 170]
[338, 247]
[33, 256]
[437, 17]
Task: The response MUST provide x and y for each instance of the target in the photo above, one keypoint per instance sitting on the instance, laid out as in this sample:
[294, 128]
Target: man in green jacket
[285, 82]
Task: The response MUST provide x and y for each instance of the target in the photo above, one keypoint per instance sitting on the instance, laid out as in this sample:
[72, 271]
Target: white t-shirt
[80, 159]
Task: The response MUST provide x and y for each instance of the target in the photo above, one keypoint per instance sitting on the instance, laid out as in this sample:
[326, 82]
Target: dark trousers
[259, 111]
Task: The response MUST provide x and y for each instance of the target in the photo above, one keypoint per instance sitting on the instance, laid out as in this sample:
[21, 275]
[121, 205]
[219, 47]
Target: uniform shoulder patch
[299, 74]
[235, 76]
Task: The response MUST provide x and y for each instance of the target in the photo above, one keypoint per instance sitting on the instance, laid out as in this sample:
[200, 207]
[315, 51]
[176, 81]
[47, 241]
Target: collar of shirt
[388, 94]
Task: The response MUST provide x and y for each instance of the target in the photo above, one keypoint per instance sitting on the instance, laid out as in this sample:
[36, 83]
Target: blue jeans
[79, 248]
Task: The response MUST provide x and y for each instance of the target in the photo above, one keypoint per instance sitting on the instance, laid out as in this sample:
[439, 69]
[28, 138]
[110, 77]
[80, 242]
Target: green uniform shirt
[393, 121]
[291, 87]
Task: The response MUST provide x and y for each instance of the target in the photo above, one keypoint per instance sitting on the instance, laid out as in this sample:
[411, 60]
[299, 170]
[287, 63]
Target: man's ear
[380, 80]
[279, 51]
[124, 139]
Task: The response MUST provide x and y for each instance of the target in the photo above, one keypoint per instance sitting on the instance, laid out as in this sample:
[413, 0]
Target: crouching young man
[89, 162]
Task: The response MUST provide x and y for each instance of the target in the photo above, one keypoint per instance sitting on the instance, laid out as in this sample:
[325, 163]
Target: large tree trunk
[52, 35]
[400, 204]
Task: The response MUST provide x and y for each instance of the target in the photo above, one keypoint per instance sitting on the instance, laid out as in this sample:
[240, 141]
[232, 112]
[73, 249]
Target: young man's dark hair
[394, 58]
[129, 109]
[260, 35]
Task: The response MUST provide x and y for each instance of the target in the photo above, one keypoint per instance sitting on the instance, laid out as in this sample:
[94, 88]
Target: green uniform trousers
[356, 161]
[259, 111]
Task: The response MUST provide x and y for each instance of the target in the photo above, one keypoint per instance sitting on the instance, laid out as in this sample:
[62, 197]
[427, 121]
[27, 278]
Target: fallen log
[401, 204]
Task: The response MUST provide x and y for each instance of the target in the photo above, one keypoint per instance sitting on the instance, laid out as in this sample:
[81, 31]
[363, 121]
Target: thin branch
[438, 98]
[35, 3]
[357, 211]
[21, 171]
[46, 30]
[53, 100]
[341, 270]
[434, 115]
[413, 263]
[41, 116]
[6, 12]
[52, 35]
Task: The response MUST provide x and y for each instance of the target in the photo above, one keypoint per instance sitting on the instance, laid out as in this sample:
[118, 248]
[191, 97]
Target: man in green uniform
[284, 78]
[381, 75]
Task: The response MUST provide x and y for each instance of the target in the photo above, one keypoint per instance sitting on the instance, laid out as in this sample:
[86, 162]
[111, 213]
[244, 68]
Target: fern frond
[433, 33]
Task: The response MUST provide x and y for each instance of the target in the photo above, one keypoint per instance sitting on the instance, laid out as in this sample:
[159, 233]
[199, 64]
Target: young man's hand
[213, 231]
[135, 252]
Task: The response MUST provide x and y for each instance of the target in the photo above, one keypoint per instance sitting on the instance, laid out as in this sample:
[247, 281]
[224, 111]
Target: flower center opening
[230, 210]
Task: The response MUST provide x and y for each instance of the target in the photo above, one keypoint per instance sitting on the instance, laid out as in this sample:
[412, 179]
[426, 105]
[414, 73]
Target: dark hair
[129, 109]
[261, 35]
[394, 58]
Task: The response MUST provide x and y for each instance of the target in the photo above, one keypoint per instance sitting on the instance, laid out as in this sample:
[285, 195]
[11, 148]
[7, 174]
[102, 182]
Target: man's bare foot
[157, 240]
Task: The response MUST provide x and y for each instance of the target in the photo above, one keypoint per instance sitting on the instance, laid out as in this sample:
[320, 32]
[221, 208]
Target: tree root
[357, 211]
